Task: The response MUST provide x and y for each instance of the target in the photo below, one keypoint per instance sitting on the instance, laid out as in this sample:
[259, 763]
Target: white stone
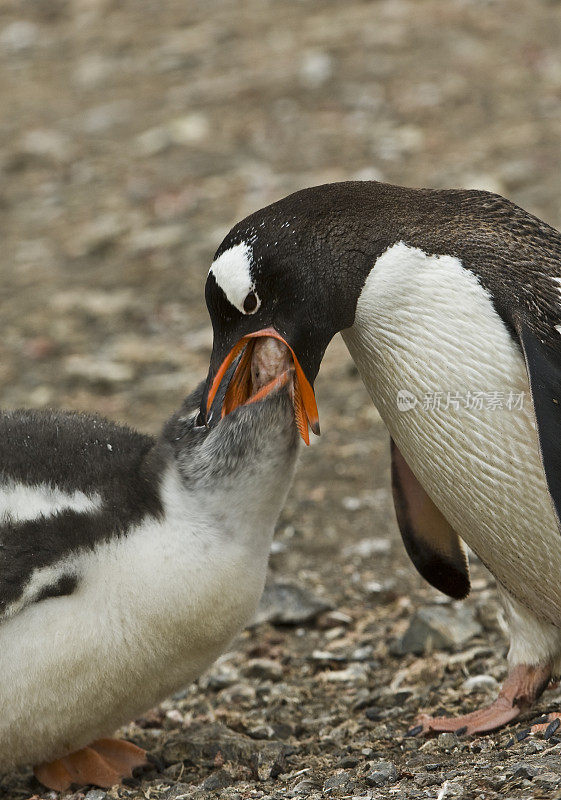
[19, 36]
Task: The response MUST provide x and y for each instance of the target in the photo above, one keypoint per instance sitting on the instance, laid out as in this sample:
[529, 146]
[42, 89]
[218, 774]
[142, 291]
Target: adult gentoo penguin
[127, 564]
[451, 295]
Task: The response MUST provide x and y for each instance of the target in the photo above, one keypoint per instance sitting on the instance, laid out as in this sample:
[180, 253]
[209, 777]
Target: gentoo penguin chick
[450, 305]
[127, 566]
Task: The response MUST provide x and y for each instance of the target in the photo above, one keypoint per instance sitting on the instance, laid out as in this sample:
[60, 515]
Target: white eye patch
[231, 271]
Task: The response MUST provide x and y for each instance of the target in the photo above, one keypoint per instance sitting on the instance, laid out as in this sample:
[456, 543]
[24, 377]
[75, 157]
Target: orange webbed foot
[522, 687]
[103, 763]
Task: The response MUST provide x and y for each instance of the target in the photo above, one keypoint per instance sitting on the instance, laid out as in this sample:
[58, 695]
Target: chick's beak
[239, 389]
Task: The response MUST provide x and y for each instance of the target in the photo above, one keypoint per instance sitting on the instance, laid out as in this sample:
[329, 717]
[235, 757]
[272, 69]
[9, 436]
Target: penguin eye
[251, 303]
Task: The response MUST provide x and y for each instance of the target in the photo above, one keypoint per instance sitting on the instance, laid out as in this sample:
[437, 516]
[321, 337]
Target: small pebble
[362, 653]
[551, 728]
[548, 781]
[316, 68]
[289, 604]
[523, 770]
[447, 740]
[381, 772]
[478, 683]
[217, 780]
[348, 761]
[437, 628]
[19, 36]
[263, 669]
[534, 747]
[341, 783]
[541, 720]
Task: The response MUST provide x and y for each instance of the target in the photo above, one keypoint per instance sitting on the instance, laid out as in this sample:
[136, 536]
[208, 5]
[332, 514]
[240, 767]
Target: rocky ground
[132, 136]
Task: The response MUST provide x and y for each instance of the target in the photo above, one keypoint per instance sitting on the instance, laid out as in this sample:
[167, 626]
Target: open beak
[240, 388]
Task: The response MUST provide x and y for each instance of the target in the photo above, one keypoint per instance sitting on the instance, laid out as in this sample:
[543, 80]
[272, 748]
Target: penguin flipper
[543, 364]
[432, 544]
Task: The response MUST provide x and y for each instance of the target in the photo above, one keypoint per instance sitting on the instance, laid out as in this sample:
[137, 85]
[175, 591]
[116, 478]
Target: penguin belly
[147, 618]
[426, 331]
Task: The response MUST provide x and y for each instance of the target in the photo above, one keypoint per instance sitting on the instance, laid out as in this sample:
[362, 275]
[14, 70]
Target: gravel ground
[132, 136]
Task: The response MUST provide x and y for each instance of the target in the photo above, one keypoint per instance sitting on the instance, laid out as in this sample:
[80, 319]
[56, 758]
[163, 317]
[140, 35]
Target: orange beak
[240, 390]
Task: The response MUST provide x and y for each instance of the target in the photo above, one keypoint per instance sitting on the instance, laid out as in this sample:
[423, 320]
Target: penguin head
[293, 270]
[247, 458]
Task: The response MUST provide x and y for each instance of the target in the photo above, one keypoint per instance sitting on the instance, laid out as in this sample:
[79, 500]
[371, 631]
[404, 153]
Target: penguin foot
[103, 763]
[522, 687]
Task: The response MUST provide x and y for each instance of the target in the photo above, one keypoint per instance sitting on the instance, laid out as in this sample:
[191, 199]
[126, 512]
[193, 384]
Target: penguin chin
[266, 363]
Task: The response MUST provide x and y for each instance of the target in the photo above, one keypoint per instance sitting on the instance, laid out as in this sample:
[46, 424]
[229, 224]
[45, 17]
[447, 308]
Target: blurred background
[133, 135]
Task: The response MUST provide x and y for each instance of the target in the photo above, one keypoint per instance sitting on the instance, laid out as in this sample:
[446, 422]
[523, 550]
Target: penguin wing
[432, 544]
[34, 564]
[543, 364]
[68, 481]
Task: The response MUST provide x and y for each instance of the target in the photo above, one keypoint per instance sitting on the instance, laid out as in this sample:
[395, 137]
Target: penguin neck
[222, 514]
[228, 493]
